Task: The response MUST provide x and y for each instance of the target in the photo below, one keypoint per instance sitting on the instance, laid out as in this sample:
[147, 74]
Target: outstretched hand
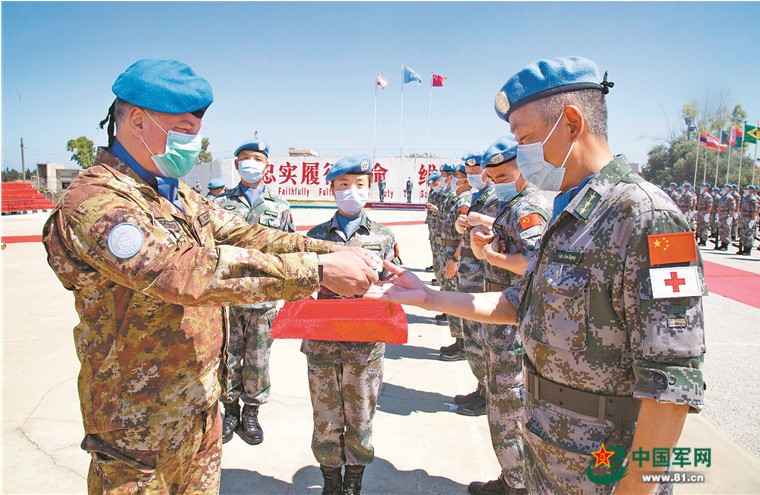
[406, 288]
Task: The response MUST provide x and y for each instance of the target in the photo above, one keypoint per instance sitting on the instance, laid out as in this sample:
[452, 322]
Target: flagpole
[704, 169]
[374, 129]
[717, 164]
[430, 116]
[728, 166]
[741, 154]
[754, 163]
[401, 147]
[696, 164]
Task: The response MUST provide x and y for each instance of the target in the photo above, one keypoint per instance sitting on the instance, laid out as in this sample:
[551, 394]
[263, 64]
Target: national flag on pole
[679, 281]
[410, 75]
[438, 80]
[678, 247]
[733, 137]
[752, 133]
[380, 80]
[710, 141]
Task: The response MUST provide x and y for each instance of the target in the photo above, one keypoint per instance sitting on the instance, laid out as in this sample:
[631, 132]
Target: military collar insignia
[587, 204]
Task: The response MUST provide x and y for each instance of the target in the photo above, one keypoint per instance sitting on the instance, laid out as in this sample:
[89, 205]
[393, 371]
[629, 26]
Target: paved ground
[422, 446]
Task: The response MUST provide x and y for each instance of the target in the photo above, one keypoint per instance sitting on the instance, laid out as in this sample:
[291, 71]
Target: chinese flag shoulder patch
[531, 220]
[678, 247]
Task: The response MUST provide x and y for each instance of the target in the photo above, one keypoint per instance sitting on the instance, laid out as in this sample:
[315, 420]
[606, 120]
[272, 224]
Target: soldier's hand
[475, 218]
[373, 260]
[432, 208]
[405, 288]
[451, 269]
[461, 224]
[481, 236]
[348, 273]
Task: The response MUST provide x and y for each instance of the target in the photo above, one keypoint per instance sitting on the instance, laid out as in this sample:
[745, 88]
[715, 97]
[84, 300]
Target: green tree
[690, 115]
[205, 156]
[83, 151]
[738, 115]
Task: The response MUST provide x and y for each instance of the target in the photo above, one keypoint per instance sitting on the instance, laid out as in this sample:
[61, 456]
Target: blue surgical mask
[505, 191]
[251, 171]
[476, 181]
[535, 169]
[351, 201]
[182, 151]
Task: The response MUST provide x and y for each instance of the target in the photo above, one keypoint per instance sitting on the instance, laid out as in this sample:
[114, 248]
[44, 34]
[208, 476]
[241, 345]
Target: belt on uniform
[495, 287]
[604, 407]
[466, 253]
[448, 243]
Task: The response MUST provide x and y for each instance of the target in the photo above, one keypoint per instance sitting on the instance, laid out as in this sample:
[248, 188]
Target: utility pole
[23, 165]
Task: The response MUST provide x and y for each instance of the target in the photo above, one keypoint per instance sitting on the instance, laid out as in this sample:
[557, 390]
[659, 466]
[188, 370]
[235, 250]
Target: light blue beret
[548, 77]
[215, 183]
[355, 164]
[460, 169]
[472, 158]
[166, 86]
[448, 168]
[259, 146]
[753, 187]
[686, 184]
[434, 176]
[707, 185]
[503, 150]
[672, 184]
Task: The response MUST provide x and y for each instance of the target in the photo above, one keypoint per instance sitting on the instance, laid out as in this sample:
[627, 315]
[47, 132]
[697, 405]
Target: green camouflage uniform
[748, 214]
[345, 377]
[704, 203]
[725, 218]
[151, 338]
[471, 278]
[449, 241]
[250, 341]
[687, 202]
[590, 322]
[714, 214]
[439, 257]
[503, 349]
[735, 224]
[430, 217]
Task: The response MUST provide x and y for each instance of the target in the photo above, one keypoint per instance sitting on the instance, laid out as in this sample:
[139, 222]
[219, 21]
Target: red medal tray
[341, 320]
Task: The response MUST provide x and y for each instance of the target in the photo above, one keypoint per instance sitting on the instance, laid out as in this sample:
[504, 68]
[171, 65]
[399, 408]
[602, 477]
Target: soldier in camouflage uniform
[735, 224]
[151, 263]
[471, 278]
[614, 343]
[715, 193]
[508, 240]
[674, 194]
[250, 342]
[451, 243]
[434, 190]
[688, 203]
[704, 210]
[216, 188]
[439, 262]
[345, 377]
[726, 208]
[747, 219]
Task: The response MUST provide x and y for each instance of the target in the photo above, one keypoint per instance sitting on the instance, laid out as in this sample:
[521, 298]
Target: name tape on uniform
[682, 281]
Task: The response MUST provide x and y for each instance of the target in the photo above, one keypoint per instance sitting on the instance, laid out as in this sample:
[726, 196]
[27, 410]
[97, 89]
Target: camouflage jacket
[270, 210]
[726, 204]
[432, 196]
[704, 202]
[371, 236]
[520, 224]
[453, 209]
[149, 283]
[443, 200]
[687, 201]
[484, 202]
[589, 317]
[749, 206]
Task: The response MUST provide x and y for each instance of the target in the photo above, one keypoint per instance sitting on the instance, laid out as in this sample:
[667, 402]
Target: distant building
[292, 151]
[54, 177]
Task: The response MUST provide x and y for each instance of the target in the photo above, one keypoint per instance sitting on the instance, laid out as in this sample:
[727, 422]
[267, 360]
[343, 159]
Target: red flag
[678, 247]
[380, 80]
[710, 141]
[438, 80]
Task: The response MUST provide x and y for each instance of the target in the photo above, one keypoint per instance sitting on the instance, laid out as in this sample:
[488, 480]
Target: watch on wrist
[320, 269]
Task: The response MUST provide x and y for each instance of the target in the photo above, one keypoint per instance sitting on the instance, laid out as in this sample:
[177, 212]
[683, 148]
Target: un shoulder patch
[125, 240]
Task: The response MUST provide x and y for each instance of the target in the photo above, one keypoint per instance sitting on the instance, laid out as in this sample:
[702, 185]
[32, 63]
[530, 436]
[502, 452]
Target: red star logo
[602, 456]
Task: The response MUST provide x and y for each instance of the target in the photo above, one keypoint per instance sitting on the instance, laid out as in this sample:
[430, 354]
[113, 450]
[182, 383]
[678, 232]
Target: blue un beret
[434, 176]
[706, 184]
[503, 150]
[259, 146]
[673, 184]
[448, 168]
[166, 86]
[472, 158]
[215, 183]
[460, 169]
[753, 187]
[686, 184]
[546, 78]
[356, 164]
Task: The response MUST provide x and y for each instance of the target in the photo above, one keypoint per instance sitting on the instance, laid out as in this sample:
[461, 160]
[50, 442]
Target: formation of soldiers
[724, 214]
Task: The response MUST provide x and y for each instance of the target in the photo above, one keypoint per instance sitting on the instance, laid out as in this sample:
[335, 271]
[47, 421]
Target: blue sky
[302, 74]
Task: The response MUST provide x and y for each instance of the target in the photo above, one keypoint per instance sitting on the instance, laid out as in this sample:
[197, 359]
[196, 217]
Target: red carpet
[739, 285]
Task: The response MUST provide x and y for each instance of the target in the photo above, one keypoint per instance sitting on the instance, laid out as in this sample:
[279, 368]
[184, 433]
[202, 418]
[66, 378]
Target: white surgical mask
[351, 201]
[476, 181]
[535, 169]
[251, 171]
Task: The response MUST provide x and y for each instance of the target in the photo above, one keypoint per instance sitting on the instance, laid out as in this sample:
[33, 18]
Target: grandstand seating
[21, 197]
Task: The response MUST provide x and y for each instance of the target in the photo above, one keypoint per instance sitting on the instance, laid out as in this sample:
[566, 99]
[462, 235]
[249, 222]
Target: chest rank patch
[587, 204]
[125, 240]
[204, 219]
[531, 220]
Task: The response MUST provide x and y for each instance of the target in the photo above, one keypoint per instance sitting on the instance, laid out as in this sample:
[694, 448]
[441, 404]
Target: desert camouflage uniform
[450, 239]
[748, 214]
[725, 219]
[502, 345]
[345, 377]
[151, 338]
[589, 322]
[704, 204]
[471, 278]
[687, 202]
[250, 341]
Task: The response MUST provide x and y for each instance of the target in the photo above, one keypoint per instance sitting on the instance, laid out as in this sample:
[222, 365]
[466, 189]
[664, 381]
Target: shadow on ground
[380, 478]
[397, 399]
[405, 351]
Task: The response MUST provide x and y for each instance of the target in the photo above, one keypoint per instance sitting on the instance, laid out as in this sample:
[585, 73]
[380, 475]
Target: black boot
[748, 250]
[464, 399]
[741, 249]
[333, 483]
[250, 429]
[441, 319]
[231, 420]
[450, 348]
[476, 407]
[716, 244]
[457, 354]
[352, 481]
[722, 247]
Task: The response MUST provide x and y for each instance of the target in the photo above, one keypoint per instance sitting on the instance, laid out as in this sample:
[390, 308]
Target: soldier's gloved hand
[751, 224]
[707, 217]
[348, 273]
